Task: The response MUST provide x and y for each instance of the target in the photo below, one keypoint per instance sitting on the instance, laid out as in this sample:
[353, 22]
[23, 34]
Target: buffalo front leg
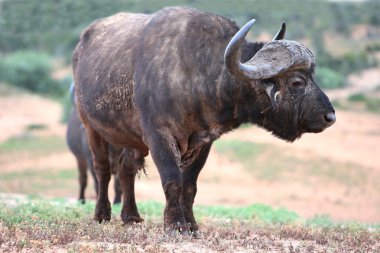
[166, 156]
[99, 149]
[130, 163]
[189, 179]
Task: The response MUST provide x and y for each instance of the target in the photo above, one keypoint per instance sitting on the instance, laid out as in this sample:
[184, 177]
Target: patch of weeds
[33, 144]
[32, 127]
[258, 159]
[30, 174]
[37, 211]
[33, 181]
[357, 97]
[320, 221]
[257, 212]
[372, 104]
[151, 209]
[42, 225]
[239, 150]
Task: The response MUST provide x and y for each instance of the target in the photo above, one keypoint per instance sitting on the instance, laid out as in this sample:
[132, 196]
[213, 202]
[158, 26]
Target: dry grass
[89, 236]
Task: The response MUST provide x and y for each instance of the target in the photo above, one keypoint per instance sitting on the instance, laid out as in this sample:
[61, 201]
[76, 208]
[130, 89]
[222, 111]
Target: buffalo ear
[273, 92]
[281, 33]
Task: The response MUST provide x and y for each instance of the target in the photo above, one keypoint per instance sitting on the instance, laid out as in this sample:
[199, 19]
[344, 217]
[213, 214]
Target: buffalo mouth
[319, 123]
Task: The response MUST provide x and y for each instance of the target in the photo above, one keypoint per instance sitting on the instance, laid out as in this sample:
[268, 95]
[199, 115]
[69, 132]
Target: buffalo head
[282, 75]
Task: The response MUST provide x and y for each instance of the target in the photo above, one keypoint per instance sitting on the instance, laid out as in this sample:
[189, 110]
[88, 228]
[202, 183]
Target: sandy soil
[23, 110]
[354, 139]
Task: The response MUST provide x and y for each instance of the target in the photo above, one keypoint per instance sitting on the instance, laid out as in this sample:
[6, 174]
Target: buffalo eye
[298, 82]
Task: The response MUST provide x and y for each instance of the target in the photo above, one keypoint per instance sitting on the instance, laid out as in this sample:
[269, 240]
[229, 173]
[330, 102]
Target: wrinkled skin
[163, 84]
[77, 142]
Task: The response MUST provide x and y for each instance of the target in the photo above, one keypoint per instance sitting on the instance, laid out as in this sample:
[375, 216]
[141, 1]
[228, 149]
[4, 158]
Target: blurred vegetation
[32, 71]
[49, 30]
[371, 104]
[29, 145]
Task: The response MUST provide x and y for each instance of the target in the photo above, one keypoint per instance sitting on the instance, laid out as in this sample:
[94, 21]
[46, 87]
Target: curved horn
[281, 33]
[231, 54]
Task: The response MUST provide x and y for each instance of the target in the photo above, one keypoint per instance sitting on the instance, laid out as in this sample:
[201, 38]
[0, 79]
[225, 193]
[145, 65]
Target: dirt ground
[354, 140]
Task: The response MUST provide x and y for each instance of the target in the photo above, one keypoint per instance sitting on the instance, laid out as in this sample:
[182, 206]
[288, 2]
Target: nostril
[330, 117]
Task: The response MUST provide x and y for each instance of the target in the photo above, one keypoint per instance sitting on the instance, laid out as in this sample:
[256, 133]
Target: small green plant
[32, 127]
[256, 212]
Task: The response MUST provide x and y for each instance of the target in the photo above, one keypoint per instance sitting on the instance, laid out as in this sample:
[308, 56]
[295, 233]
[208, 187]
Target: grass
[34, 210]
[63, 174]
[239, 151]
[28, 145]
[47, 181]
[35, 144]
[41, 224]
[259, 160]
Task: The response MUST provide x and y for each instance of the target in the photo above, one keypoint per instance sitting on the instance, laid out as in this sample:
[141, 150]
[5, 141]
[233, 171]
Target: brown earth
[353, 142]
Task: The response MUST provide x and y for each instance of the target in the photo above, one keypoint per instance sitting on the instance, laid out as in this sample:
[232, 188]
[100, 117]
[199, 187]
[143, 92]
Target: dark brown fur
[170, 65]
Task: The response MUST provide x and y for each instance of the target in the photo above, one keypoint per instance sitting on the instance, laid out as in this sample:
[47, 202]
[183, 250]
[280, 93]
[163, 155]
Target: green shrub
[30, 70]
[357, 97]
[329, 79]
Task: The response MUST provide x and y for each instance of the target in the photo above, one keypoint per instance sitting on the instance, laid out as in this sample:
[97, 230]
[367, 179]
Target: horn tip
[252, 21]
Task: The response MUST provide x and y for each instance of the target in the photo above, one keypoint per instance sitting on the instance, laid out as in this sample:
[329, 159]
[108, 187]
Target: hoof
[102, 212]
[131, 220]
[178, 229]
[102, 217]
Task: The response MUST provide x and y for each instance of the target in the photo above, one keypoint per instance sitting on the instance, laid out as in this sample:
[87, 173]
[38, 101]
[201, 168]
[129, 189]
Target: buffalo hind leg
[189, 179]
[166, 156]
[99, 149]
[130, 163]
[117, 188]
[90, 163]
[82, 167]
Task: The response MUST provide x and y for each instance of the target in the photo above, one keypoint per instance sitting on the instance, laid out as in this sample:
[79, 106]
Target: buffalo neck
[239, 102]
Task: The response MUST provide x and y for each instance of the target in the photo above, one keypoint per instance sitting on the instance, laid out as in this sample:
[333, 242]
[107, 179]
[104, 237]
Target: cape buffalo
[78, 145]
[173, 82]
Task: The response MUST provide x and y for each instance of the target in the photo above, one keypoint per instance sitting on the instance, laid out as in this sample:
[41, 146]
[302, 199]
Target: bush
[329, 79]
[30, 70]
